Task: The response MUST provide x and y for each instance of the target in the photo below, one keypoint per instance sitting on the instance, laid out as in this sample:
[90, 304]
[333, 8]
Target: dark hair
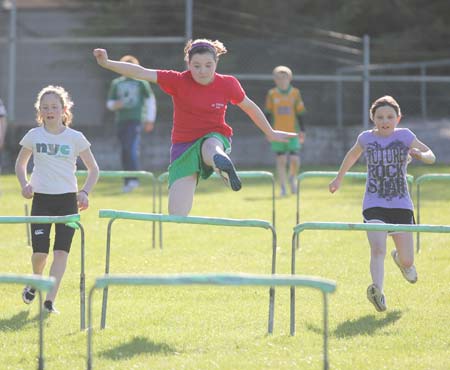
[383, 102]
[202, 46]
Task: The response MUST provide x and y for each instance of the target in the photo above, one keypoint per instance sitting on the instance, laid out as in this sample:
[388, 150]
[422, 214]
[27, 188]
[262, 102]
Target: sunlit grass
[225, 328]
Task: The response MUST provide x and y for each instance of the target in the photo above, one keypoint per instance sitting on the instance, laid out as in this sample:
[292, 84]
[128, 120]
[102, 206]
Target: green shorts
[293, 145]
[191, 162]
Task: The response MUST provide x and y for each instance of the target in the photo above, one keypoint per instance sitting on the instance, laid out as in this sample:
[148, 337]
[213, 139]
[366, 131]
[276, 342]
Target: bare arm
[422, 152]
[93, 172]
[349, 160]
[260, 120]
[126, 69]
[21, 172]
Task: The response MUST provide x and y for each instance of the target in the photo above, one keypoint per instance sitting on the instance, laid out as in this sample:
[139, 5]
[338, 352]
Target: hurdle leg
[105, 290]
[82, 281]
[325, 331]
[272, 288]
[41, 334]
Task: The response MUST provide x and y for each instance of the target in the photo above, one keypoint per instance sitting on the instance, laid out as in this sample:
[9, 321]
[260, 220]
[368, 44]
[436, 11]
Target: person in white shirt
[53, 186]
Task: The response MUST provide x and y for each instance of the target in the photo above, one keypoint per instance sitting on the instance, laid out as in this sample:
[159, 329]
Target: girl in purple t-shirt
[387, 150]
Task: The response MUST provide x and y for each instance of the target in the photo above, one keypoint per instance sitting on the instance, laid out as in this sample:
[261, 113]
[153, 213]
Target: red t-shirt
[199, 109]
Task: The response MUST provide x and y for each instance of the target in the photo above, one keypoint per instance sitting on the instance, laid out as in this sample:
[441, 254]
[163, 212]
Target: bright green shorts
[191, 162]
[293, 145]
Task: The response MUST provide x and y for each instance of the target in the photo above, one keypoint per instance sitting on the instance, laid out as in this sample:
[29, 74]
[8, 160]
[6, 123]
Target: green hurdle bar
[343, 226]
[331, 175]
[69, 220]
[424, 178]
[326, 286]
[41, 284]
[139, 175]
[243, 174]
[115, 214]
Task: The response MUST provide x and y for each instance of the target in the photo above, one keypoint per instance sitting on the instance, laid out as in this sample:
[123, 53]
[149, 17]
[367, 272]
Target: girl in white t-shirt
[53, 186]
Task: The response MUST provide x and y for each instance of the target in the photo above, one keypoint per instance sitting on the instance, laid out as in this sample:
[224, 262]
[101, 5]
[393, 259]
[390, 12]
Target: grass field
[226, 328]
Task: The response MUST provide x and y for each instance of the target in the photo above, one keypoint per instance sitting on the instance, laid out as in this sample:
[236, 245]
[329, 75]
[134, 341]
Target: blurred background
[343, 53]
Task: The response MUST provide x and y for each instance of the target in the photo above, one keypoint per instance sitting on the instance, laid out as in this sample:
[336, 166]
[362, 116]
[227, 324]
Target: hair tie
[202, 45]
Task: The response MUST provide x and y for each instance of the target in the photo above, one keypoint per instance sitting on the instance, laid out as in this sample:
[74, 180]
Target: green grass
[225, 328]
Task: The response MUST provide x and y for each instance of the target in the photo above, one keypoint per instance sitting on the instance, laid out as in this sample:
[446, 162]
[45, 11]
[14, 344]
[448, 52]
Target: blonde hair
[282, 69]
[66, 103]
[201, 46]
[130, 59]
[383, 102]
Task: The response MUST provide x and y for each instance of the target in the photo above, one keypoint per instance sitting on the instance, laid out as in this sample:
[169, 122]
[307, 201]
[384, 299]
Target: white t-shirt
[55, 158]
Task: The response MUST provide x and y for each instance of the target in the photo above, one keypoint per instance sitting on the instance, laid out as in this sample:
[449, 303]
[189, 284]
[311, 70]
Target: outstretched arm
[421, 152]
[260, 120]
[126, 69]
[349, 160]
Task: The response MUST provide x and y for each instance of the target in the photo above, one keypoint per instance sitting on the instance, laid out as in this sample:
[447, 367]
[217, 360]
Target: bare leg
[281, 170]
[38, 260]
[57, 271]
[377, 241]
[210, 148]
[294, 166]
[181, 195]
[214, 156]
[404, 243]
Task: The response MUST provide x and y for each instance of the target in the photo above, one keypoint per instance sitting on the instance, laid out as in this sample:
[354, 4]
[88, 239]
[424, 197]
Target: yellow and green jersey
[284, 107]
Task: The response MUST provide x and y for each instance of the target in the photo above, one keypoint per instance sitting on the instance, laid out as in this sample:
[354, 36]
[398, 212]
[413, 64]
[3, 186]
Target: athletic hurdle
[242, 174]
[139, 175]
[343, 226]
[331, 175]
[71, 221]
[326, 286]
[115, 215]
[424, 178]
[41, 284]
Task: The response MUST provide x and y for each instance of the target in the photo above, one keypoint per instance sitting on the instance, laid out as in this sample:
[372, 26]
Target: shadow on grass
[16, 322]
[256, 198]
[136, 346]
[366, 325]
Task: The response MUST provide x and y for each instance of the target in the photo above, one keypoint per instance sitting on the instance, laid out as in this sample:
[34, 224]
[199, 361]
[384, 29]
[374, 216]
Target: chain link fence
[53, 47]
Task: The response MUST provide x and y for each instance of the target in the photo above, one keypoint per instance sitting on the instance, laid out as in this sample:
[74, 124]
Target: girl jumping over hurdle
[388, 150]
[201, 139]
[53, 186]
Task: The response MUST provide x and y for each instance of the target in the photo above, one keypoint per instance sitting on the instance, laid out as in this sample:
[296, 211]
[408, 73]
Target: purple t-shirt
[387, 161]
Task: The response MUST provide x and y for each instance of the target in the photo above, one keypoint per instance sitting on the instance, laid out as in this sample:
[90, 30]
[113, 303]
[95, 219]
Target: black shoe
[48, 306]
[28, 294]
[227, 171]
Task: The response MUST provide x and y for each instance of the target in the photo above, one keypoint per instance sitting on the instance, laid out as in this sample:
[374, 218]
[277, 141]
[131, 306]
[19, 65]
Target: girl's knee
[406, 261]
[378, 249]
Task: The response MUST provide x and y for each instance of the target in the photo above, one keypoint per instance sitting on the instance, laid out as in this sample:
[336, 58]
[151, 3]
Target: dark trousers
[130, 139]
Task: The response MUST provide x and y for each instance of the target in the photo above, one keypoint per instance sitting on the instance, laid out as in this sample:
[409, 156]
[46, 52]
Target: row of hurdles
[272, 280]
[157, 185]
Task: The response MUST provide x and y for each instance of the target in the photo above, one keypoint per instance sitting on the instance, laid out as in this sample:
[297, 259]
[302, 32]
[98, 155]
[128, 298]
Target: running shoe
[377, 298]
[50, 308]
[28, 294]
[409, 273]
[227, 171]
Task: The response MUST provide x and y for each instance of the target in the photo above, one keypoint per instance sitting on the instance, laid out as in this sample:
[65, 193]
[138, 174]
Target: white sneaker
[409, 273]
[377, 298]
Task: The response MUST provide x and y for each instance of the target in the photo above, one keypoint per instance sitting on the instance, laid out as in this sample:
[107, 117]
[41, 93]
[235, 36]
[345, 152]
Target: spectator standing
[134, 105]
